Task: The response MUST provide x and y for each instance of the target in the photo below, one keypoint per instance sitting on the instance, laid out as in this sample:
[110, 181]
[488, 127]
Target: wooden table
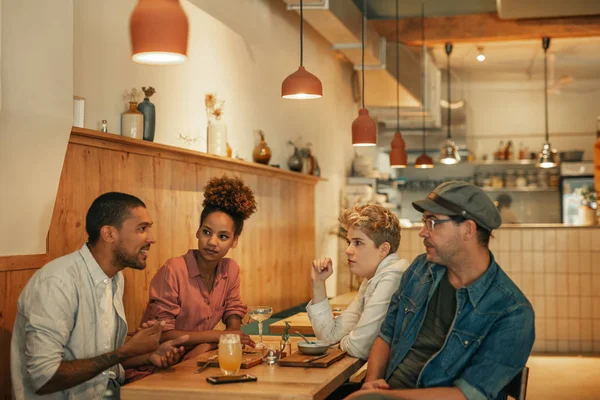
[299, 322]
[274, 382]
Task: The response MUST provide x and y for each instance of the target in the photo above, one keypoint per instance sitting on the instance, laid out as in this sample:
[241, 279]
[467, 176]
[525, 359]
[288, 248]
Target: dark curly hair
[231, 196]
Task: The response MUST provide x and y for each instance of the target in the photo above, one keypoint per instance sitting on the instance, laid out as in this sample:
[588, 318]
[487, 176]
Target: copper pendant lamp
[364, 129]
[398, 153]
[301, 85]
[159, 32]
[449, 151]
[548, 157]
[423, 161]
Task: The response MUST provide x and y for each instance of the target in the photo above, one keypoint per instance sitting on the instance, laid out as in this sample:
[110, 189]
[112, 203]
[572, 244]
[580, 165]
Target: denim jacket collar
[477, 289]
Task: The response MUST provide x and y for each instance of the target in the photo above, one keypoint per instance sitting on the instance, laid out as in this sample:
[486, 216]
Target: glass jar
[531, 179]
[510, 179]
[554, 180]
[521, 180]
[497, 181]
[542, 179]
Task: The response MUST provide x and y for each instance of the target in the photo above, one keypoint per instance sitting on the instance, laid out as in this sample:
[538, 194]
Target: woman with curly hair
[193, 292]
[373, 236]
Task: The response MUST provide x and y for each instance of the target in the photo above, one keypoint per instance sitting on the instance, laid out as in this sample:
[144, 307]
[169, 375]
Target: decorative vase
[586, 215]
[262, 152]
[147, 108]
[132, 122]
[217, 138]
[295, 162]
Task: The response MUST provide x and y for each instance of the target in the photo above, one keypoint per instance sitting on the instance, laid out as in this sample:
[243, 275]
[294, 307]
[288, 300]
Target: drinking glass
[230, 354]
[260, 314]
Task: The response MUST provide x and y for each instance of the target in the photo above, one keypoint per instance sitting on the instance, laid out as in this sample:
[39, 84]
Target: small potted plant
[285, 345]
[587, 207]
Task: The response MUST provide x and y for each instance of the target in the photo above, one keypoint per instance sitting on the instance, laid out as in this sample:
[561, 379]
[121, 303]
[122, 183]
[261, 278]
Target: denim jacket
[488, 342]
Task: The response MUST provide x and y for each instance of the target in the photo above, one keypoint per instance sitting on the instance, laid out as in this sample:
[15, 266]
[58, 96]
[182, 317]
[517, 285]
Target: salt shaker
[104, 126]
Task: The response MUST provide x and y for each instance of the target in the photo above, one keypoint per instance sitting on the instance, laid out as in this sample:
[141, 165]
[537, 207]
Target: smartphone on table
[216, 380]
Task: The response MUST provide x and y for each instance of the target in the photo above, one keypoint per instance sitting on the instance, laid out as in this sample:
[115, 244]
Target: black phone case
[218, 380]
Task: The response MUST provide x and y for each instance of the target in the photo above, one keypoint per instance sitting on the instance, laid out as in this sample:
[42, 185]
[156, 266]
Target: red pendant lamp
[423, 161]
[398, 153]
[301, 85]
[159, 32]
[364, 129]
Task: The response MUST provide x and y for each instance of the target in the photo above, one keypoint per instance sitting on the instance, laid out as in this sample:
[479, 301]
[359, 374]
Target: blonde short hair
[377, 222]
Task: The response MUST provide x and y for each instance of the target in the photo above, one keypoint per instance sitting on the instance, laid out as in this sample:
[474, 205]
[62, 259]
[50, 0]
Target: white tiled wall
[557, 269]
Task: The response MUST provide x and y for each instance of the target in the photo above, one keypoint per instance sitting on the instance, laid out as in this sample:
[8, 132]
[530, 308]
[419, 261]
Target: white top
[358, 326]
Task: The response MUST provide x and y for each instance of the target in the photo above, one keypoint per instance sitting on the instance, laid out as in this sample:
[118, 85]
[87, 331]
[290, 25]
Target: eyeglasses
[431, 223]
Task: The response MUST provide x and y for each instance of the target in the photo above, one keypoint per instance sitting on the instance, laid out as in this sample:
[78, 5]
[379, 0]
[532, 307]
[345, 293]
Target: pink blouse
[180, 297]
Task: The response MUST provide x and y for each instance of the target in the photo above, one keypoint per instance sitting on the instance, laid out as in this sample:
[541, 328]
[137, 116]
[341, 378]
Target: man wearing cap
[458, 327]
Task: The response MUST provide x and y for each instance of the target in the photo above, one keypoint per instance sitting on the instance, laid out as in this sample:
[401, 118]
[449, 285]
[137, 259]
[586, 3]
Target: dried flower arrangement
[148, 91]
[131, 96]
[214, 107]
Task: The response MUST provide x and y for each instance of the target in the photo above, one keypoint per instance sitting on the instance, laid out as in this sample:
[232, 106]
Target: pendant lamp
[449, 152]
[159, 32]
[548, 157]
[364, 130]
[423, 161]
[398, 153]
[301, 85]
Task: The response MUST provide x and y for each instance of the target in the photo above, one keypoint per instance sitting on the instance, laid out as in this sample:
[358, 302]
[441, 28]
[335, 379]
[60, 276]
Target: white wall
[242, 50]
[511, 107]
[36, 117]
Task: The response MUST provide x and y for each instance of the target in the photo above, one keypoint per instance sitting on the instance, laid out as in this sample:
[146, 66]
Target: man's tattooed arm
[75, 372]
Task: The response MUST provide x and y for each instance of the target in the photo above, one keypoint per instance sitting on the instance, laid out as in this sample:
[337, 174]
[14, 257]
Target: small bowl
[313, 349]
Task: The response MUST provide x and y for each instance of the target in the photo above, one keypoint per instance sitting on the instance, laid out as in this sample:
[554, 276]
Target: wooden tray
[250, 358]
[298, 359]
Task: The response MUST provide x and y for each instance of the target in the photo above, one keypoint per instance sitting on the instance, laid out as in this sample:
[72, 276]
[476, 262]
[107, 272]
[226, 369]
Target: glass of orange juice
[230, 354]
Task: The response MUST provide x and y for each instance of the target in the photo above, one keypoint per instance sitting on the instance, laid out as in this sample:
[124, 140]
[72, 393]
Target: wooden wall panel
[274, 251]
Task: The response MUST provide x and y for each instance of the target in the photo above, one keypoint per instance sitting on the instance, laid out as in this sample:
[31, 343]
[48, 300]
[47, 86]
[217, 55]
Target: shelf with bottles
[521, 189]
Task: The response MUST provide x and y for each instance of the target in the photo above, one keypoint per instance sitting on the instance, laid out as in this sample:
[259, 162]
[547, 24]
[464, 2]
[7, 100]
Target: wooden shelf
[520, 189]
[113, 141]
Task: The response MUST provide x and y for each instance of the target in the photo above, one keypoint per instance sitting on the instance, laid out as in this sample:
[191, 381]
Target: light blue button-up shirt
[60, 317]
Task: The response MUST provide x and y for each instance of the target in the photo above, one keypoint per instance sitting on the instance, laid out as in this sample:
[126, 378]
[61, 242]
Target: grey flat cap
[464, 199]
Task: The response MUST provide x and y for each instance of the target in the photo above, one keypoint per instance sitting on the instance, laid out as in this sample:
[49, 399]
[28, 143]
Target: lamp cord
[423, 70]
[301, 34]
[546, 88]
[397, 73]
[449, 104]
[363, 51]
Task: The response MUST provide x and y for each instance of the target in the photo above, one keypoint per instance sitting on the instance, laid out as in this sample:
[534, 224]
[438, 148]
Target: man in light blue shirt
[69, 335]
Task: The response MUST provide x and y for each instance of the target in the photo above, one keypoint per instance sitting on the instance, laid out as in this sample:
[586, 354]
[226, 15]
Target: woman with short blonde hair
[373, 236]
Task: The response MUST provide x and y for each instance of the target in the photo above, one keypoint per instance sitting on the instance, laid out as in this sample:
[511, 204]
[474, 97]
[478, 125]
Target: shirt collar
[97, 274]
[194, 271]
[477, 289]
[386, 262]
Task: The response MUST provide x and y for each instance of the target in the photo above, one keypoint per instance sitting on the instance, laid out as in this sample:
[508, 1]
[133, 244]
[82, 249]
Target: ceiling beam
[487, 27]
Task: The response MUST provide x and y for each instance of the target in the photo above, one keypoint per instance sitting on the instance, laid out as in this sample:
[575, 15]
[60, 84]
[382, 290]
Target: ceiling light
[301, 85]
[480, 55]
[364, 129]
[398, 154]
[449, 151]
[159, 32]
[548, 157]
[423, 161]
